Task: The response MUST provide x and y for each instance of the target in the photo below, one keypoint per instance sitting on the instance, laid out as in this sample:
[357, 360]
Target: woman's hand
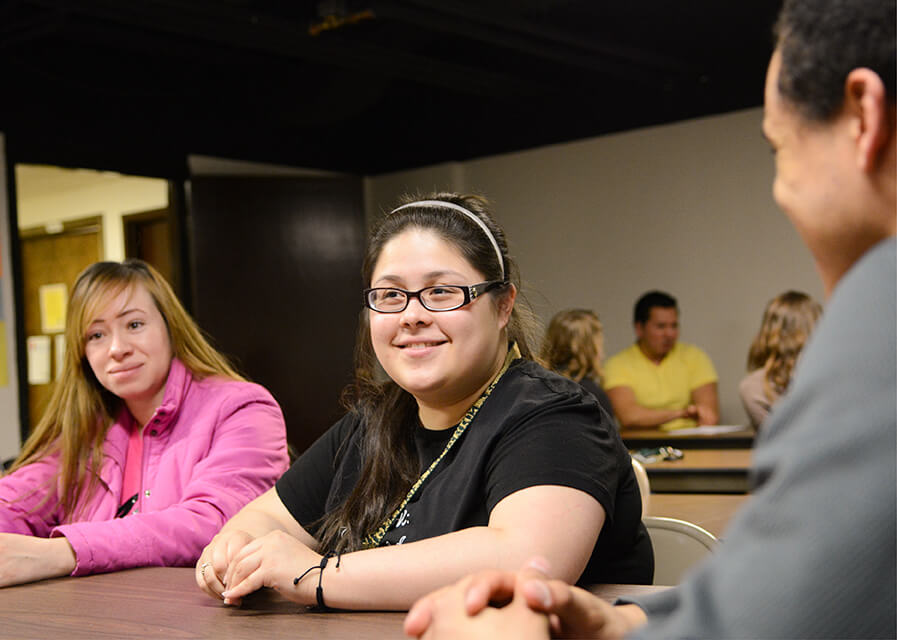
[273, 560]
[215, 559]
[259, 520]
[27, 558]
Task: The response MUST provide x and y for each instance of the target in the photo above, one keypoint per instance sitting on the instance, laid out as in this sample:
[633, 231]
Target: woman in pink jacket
[150, 442]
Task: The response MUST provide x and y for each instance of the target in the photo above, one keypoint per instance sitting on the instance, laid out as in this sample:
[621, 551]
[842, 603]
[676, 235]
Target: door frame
[130, 224]
[88, 224]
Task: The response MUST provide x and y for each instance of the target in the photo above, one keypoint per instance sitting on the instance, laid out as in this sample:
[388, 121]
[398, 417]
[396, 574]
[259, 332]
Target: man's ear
[866, 104]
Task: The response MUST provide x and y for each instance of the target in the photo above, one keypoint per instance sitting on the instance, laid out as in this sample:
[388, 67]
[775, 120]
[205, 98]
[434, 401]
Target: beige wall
[381, 193]
[50, 195]
[686, 208]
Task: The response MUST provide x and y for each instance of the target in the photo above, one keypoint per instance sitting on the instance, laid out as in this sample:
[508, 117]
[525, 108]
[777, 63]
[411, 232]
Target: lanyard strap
[373, 539]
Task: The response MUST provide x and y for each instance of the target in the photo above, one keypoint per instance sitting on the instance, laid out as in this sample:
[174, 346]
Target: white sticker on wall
[38, 359]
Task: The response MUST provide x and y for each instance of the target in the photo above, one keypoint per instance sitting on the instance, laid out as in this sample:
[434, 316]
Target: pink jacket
[212, 446]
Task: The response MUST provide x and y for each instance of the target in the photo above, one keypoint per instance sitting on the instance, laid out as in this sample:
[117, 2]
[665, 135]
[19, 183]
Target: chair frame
[644, 485]
[682, 527]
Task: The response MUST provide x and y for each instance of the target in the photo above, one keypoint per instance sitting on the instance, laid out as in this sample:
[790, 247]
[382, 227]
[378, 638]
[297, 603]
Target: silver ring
[202, 568]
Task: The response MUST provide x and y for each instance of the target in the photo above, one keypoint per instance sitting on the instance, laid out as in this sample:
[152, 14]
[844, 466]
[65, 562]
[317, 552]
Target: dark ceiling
[361, 87]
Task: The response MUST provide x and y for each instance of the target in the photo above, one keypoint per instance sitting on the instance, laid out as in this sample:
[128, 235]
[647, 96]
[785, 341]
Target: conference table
[710, 511]
[702, 471]
[157, 602]
[699, 438]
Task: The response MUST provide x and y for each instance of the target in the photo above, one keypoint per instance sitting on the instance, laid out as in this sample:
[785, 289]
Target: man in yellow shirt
[659, 381]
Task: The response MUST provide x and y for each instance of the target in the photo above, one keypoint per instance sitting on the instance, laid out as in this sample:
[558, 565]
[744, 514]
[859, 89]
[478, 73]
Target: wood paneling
[276, 283]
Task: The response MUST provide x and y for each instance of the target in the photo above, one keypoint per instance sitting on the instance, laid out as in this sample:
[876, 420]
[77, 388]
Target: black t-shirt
[536, 428]
[596, 390]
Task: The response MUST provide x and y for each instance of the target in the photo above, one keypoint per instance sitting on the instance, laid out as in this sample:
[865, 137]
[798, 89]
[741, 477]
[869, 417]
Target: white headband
[451, 205]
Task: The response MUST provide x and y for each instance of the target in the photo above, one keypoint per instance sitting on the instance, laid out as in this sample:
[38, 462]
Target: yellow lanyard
[373, 539]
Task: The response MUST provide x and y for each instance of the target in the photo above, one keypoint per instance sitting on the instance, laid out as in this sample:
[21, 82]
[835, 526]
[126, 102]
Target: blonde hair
[81, 410]
[574, 345]
[788, 320]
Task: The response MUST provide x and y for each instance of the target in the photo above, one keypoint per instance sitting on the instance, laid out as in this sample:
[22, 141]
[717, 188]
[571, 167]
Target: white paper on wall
[38, 359]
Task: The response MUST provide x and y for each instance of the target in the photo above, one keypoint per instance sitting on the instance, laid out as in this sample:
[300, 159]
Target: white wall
[9, 392]
[685, 208]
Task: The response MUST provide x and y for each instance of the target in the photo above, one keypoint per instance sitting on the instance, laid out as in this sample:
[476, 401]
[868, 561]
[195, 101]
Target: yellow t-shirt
[667, 385]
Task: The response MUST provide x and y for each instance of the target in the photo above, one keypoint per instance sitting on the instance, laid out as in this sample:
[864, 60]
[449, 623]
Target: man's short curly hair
[821, 41]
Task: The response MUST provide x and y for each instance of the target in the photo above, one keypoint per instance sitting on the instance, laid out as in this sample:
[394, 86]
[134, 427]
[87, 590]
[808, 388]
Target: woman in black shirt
[466, 455]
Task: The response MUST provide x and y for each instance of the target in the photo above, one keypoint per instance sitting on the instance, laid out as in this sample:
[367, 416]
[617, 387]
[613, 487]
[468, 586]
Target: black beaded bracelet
[319, 591]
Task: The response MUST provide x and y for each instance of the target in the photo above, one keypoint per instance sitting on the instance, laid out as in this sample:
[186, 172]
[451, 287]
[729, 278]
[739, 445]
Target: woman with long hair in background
[788, 321]
[574, 347]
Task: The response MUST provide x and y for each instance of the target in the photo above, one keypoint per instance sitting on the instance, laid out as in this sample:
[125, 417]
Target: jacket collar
[175, 389]
[116, 444]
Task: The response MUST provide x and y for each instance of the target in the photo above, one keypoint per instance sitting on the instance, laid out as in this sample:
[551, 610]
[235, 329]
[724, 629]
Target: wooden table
[166, 603]
[712, 511]
[649, 438]
[702, 471]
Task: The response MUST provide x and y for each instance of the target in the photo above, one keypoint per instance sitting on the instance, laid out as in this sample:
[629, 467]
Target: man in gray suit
[812, 554]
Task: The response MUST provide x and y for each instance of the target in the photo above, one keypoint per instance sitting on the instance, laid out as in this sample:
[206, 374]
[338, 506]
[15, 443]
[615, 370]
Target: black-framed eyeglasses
[442, 297]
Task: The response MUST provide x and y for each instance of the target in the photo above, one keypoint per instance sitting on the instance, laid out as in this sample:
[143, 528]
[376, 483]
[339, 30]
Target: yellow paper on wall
[53, 301]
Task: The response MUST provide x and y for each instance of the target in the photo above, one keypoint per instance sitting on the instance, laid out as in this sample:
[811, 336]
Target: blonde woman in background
[788, 320]
[150, 442]
[574, 347]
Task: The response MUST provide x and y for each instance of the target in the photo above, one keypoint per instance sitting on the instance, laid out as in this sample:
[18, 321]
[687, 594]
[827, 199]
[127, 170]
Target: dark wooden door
[276, 282]
[148, 237]
[52, 259]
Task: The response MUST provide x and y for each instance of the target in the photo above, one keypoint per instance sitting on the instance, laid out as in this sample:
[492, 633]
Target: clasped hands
[523, 605]
[700, 414]
[235, 564]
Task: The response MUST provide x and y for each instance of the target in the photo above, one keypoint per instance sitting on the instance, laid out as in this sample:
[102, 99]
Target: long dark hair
[388, 413]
